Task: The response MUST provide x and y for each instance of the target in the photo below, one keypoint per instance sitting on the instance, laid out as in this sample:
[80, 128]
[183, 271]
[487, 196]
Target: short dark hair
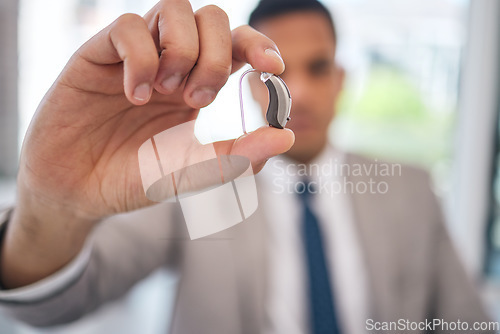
[267, 9]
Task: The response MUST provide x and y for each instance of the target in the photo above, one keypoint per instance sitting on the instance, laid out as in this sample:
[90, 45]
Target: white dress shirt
[287, 300]
[287, 304]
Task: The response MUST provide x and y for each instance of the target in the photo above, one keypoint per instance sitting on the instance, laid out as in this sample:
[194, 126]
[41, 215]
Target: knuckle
[187, 54]
[150, 60]
[237, 34]
[127, 19]
[214, 11]
[248, 35]
[146, 62]
[219, 69]
[243, 29]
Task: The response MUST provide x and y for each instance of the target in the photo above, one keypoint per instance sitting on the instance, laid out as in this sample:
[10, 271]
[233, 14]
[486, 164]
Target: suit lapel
[372, 217]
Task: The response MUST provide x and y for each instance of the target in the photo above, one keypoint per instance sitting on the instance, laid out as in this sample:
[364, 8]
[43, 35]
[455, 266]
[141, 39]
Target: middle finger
[214, 62]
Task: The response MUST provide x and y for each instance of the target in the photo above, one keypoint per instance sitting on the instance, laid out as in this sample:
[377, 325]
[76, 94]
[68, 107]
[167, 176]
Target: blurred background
[421, 89]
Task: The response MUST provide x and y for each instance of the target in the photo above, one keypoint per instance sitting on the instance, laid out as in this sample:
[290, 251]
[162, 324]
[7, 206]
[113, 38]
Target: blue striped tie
[322, 310]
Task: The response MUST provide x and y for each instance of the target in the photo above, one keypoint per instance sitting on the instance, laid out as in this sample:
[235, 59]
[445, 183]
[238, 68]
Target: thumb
[259, 145]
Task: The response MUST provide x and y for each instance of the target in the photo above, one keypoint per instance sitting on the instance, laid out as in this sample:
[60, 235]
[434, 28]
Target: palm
[97, 136]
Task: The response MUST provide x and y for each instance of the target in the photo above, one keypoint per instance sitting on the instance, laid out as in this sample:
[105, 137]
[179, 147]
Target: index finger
[253, 47]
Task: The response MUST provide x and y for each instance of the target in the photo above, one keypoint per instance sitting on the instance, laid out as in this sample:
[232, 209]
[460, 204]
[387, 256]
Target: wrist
[38, 241]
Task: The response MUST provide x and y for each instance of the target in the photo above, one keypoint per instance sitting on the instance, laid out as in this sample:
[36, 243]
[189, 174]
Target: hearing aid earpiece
[280, 101]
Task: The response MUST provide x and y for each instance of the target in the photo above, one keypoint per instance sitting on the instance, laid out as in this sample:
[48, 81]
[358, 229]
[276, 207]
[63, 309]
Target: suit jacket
[413, 270]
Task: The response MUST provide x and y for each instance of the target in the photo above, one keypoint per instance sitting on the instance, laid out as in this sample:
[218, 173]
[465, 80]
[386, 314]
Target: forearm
[38, 241]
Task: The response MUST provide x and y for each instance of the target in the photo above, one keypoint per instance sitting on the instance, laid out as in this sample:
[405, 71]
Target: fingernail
[203, 96]
[274, 54]
[141, 92]
[172, 83]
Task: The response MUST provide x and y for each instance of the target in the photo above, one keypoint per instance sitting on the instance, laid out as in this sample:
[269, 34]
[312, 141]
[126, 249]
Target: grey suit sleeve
[125, 249]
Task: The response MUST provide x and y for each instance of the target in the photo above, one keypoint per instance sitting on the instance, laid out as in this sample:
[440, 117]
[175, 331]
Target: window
[403, 64]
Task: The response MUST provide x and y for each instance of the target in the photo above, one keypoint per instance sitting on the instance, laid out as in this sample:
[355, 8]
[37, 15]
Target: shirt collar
[321, 167]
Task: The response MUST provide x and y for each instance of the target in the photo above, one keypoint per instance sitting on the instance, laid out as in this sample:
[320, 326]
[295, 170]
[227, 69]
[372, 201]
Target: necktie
[322, 310]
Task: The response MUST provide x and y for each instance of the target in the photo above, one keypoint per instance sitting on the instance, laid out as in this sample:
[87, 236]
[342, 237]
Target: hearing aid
[280, 100]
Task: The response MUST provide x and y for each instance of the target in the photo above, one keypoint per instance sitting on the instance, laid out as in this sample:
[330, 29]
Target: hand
[79, 159]
[80, 152]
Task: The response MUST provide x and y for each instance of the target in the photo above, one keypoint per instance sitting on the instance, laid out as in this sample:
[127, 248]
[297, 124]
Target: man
[312, 261]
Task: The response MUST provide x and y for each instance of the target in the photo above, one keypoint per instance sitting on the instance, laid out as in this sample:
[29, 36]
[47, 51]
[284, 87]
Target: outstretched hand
[134, 79]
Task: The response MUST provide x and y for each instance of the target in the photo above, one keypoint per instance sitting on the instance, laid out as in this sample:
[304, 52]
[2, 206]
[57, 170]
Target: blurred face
[307, 45]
